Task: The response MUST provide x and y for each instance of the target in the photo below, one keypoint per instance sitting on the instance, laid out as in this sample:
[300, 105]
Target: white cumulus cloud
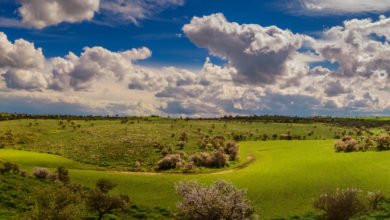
[42, 13]
[345, 6]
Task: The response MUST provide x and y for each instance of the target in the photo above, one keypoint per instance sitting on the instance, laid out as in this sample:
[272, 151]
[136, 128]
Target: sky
[195, 58]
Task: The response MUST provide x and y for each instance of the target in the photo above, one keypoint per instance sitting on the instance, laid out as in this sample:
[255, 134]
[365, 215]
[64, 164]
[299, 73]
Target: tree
[221, 200]
[105, 185]
[101, 202]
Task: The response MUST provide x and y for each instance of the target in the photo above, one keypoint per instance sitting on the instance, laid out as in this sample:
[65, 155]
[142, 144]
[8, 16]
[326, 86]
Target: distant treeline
[342, 121]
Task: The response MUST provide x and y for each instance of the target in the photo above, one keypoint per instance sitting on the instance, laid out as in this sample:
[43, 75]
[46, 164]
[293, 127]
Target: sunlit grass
[284, 179]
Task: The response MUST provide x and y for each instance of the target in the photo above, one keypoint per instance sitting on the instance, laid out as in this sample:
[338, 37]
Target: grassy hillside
[284, 179]
[120, 144]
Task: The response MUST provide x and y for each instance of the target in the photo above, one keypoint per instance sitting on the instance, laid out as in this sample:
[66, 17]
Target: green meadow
[284, 179]
[119, 145]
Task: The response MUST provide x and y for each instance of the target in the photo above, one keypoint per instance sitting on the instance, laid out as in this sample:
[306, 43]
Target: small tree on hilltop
[220, 200]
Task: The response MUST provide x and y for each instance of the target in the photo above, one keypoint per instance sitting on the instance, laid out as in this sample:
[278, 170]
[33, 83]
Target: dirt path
[250, 159]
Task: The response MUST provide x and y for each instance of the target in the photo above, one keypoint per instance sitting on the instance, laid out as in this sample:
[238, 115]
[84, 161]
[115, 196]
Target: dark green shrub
[9, 167]
[341, 205]
[63, 175]
[57, 203]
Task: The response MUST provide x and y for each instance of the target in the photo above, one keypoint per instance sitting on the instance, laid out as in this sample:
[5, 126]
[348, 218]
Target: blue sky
[117, 27]
[161, 32]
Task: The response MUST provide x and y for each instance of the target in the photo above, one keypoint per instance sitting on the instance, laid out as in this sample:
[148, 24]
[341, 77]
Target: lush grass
[284, 179]
[29, 160]
[116, 145]
[15, 197]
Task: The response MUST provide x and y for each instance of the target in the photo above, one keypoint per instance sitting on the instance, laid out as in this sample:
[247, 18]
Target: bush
[374, 199]
[383, 142]
[183, 137]
[63, 175]
[201, 159]
[188, 167]
[57, 203]
[231, 148]
[170, 161]
[347, 144]
[23, 173]
[41, 172]
[220, 200]
[366, 143]
[218, 142]
[341, 205]
[9, 167]
[52, 177]
[218, 159]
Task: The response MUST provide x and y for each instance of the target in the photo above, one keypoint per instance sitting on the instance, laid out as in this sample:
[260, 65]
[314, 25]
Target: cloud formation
[259, 54]
[100, 81]
[346, 6]
[73, 72]
[359, 47]
[19, 55]
[42, 13]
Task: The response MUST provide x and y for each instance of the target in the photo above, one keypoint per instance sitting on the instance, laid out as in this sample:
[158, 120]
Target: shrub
[221, 200]
[63, 175]
[341, 205]
[347, 144]
[57, 203]
[9, 167]
[169, 161]
[183, 137]
[365, 144]
[201, 159]
[23, 173]
[383, 142]
[218, 159]
[188, 167]
[231, 148]
[374, 199]
[218, 142]
[41, 172]
[52, 177]
[181, 144]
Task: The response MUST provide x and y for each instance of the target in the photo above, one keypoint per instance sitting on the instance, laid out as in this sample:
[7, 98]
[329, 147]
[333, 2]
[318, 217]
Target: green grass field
[283, 181]
[118, 146]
